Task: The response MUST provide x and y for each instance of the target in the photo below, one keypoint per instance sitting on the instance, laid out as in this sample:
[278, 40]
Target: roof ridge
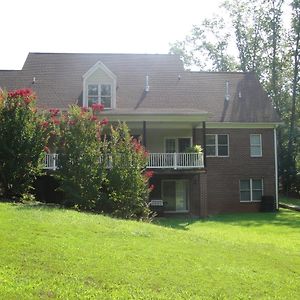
[104, 53]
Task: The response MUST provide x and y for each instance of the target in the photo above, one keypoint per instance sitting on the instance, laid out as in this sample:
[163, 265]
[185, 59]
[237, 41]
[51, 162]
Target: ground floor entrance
[175, 194]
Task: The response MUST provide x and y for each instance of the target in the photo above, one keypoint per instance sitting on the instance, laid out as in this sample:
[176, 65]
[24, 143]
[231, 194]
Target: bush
[22, 140]
[77, 140]
[125, 190]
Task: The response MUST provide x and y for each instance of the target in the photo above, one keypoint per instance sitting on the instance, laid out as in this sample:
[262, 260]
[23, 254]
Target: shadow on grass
[282, 218]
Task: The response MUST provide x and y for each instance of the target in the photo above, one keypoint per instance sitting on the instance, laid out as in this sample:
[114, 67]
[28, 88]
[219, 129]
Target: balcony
[155, 161]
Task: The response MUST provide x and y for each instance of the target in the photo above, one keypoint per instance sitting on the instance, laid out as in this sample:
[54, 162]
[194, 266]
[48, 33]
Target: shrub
[79, 146]
[22, 140]
[125, 190]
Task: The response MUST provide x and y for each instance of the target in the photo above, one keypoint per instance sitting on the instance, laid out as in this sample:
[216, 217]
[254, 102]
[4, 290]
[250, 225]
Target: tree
[22, 141]
[295, 90]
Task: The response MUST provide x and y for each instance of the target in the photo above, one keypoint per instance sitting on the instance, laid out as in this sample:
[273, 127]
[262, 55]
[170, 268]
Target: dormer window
[100, 94]
[99, 86]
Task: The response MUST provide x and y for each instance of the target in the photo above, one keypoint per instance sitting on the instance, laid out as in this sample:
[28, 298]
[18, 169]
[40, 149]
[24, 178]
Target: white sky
[114, 26]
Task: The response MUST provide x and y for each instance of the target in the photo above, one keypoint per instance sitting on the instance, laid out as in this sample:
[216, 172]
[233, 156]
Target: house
[228, 114]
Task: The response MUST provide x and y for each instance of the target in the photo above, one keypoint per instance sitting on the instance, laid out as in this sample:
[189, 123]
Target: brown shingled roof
[59, 84]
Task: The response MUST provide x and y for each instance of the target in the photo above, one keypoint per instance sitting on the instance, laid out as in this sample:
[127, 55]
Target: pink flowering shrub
[22, 141]
[125, 191]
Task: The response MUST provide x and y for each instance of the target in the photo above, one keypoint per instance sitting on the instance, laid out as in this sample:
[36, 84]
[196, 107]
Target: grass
[289, 200]
[50, 253]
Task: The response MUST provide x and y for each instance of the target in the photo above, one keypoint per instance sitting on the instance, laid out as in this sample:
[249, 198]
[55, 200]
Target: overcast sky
[131, 26]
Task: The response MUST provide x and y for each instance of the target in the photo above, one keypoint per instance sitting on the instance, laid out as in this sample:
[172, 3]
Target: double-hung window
[99, 94]
[255, 145]
[217, 145]
[251, 190]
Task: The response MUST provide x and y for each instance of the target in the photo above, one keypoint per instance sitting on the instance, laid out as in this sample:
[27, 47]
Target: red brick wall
[224, 173]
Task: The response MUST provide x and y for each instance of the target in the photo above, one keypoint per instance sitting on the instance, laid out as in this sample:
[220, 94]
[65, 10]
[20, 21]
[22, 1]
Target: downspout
[276, 168]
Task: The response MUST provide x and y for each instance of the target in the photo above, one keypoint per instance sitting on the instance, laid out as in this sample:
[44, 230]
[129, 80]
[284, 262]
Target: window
[217, 145]
[251, 190]
[255, 145]
[99, 93]
[179, 145]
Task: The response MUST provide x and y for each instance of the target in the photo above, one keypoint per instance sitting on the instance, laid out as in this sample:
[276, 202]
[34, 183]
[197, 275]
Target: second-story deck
[155, 161]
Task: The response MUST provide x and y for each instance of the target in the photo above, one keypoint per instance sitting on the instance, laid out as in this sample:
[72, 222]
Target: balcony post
[144, 134]
[204, 142]
[175, 160]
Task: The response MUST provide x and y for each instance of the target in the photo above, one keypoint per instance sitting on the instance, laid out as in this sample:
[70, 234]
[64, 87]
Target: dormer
[99, 86]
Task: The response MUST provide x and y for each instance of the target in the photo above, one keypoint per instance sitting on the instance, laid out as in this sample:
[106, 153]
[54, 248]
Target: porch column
[194, 136]
[204, 142]
[144, 134]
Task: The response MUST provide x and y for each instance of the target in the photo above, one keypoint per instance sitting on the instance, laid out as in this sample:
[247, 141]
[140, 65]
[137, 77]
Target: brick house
[171, 109]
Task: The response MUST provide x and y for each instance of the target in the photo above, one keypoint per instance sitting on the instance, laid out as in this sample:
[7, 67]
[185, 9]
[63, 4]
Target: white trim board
[232, 125]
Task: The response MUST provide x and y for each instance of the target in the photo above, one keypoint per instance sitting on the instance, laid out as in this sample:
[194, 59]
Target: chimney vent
[147, 87]
[227, 96]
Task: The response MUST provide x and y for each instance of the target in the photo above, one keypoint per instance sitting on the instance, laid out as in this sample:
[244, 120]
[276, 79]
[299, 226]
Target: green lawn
[48, 253]
[289, 200]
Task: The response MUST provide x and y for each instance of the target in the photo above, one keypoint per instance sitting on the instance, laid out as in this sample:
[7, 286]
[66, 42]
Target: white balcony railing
[155, 161]
[175, 160]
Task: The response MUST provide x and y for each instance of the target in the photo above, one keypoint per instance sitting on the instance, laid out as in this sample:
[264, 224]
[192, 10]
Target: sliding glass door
[175, 193]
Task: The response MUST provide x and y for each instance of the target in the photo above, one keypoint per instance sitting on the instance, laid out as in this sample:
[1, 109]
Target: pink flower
[104, 121]
[97, 107]
[72, 122]
[46, 149]
[149, 174]
[151, 187]
[45, 124]
[93, 118]
[54, 112]
[55, 121]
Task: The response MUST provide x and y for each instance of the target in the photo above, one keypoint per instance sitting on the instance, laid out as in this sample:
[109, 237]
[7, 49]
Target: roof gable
[101, 66]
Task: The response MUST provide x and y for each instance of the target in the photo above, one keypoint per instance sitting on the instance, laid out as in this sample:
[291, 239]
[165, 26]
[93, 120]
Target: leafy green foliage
[22, 141]
[126, 191]
[79, 147]
[265, 44]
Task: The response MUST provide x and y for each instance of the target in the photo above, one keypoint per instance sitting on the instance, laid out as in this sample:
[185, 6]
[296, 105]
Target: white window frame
[256, 145]
[99, 96]
[251, 189]
[217, 144]
[176, 141]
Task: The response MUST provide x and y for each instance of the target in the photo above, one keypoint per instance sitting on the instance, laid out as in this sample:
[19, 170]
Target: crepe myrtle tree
[76, 137]
[22, 141]
[125, 190]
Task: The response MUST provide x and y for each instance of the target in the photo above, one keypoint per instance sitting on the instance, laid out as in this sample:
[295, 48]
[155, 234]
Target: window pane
[105, 90]
[245, 185]
[93, 90]
[170, 146]
[210, 150]
[183, 144]
[256, 195]
[222, 139]
[255, 139]
[169, 194]
[106, 101]
[255, 151]
[210, 139]
[222, 151]
[257, 184]
[92, 100]
[245, 196]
